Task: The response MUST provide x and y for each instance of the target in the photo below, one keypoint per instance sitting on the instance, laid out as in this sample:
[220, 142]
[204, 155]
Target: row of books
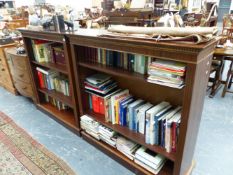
[56, 103]
[167, 73]
[46, 51]
[142, 156]
[127, 61]
[53, 80]
[159, 123]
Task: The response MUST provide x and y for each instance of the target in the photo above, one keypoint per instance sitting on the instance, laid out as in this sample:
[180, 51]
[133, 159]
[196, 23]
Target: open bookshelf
[190, 97]
[48, 100]
[80, 65]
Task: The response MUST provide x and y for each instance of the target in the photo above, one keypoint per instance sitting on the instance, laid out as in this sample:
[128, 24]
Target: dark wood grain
[121, 158]
[53, 66]
[58, 95]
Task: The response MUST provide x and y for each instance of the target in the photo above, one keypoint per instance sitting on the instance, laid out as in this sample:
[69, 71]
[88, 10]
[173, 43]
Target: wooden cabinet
[6, 80]
[19, 70]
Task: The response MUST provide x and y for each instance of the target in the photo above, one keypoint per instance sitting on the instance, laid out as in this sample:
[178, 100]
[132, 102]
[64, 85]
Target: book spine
[101, 106]
[147, 130]
[173, 135]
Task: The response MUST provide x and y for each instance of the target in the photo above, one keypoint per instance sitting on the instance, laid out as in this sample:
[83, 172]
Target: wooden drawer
[21, 75]
[18, 62]
[5, 77]
[24, 88]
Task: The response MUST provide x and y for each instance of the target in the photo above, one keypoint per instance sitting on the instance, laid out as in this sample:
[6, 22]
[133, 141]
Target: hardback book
[147, 155]
[123, 109]
[141, 116]
[113, 107]
[168, 131]
[162, 124]
[132, 113]
[150, 121]
[155, 124]
[154, 171]
[98, 78]
[117, 108]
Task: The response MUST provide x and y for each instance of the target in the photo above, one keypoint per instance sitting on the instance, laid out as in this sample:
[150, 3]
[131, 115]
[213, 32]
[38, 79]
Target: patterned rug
[20, 154]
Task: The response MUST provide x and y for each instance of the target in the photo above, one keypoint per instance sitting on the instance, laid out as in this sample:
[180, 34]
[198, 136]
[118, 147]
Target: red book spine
[101, 104]
[173, 136]
[95, 104]
[41, 82]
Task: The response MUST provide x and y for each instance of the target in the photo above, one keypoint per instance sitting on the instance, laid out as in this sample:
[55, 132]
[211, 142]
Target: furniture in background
[191, 97]
[221, 55]
[126, 17]
[228, 82]
[20, 72]
[6, 80]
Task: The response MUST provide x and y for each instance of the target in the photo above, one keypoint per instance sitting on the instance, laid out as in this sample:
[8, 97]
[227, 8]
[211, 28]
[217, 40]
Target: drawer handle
[2, 69]
[21, 75]
[24, 88]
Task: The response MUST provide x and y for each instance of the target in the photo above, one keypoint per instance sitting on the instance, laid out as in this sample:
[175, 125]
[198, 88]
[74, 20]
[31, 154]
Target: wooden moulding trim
[56, 37]
[168, 53]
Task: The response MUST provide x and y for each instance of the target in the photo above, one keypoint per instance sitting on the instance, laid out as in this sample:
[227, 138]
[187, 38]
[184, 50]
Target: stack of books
[167, 73]
[56, 103]
[131, 62]
[144, 157]
[149, 160]
[53, 80]
[107, 135]
[126, 147]
[159, 123]
[90, 126]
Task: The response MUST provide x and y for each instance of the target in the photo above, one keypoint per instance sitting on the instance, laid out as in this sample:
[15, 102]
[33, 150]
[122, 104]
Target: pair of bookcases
[77, 68]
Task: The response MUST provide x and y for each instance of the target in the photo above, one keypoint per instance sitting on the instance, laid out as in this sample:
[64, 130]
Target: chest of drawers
[6, 80]
[20, 73]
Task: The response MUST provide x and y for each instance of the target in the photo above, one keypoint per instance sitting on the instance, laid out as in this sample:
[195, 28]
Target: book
[150, 121]
[162, 124]
[98, 78]
[154, 171]
[132, 113]
[141, 115]
[117, 96]
[123, 109]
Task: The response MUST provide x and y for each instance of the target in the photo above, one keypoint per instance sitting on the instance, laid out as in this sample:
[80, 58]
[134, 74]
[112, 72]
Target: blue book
[132, 115]
[123, 110]
[156, 123]
[90, 101]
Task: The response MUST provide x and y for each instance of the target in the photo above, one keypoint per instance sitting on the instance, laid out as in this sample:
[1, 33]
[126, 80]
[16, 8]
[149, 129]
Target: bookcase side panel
[69, 65]
[29, 50]
[196, 82]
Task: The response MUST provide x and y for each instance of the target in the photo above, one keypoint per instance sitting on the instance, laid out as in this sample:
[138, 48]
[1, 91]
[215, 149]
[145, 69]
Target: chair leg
[229, 77]
[230, 82]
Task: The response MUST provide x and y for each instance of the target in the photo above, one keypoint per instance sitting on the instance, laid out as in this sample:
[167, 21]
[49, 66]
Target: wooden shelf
[113, 71]
[121, 158]
[53, 66]
[126, 132]
[65, 117]
[120, 72]
[59, 96]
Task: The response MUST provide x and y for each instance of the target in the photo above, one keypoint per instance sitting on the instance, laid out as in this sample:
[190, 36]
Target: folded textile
[168, 31]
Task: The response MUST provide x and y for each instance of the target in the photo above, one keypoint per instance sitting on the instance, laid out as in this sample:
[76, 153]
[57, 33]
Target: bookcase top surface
[184, 52]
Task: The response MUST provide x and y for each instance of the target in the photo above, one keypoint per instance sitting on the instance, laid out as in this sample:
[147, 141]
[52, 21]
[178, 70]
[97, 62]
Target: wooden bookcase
[69, 118]
[191, 97]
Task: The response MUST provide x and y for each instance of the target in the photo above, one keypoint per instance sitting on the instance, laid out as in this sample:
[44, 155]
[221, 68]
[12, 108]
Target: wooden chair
[216, 69]
[228, 83]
